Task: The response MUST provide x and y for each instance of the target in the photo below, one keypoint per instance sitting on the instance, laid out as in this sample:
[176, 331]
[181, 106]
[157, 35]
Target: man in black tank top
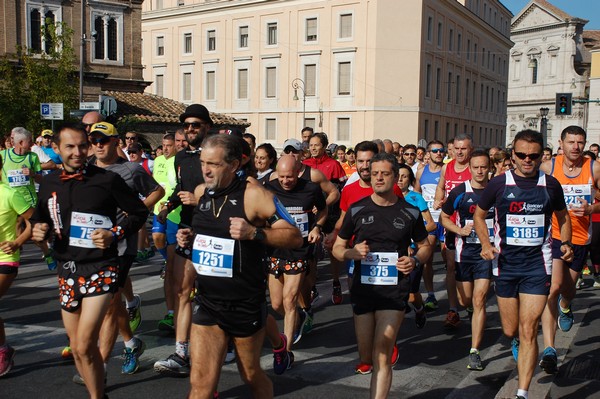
[232, 224]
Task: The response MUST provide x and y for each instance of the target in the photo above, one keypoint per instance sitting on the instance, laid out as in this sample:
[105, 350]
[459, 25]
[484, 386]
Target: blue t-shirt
[53, 156]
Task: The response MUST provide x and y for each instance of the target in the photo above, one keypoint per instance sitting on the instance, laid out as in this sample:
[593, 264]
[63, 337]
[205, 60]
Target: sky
[585, 9]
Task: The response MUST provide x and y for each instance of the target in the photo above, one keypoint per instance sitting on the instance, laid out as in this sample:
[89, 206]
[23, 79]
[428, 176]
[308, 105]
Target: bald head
[287, 172]
[92, 117]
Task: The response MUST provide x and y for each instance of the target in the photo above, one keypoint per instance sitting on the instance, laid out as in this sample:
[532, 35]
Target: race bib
[574, 193]
[473, 238]
[301, 220]
[16, 178]
[379, 268]
[82, 227]
[213, 256]
[525, 230]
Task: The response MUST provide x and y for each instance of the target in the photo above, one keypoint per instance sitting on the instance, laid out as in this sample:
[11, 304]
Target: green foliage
[29, 79]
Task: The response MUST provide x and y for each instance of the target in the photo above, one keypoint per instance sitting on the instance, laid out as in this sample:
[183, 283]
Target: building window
[449, 88]
[310, 80]
[451, 40]
[242, 84]
[105, 46]
[345, 26]
[243, 36]
[210, 85]
[159, 4]
[343, 129]
[467, 86]
[271, 80]
[211, 40]
[272, 33]
[438, 83]
[187, 86]
[270, 129]
[459, 43]
[429, 29]
[428, 81]
[39, 31]
[475, 53]
[534, 71]
[310, 122]
[468, 49]
[311, 29]
[344, 70]
[159, 84]
[180, 3]
[160, 46]
[457, 98]
[440, 34]
[187, 43]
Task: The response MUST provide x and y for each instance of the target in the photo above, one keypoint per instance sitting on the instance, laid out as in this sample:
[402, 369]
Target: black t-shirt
[386, 229]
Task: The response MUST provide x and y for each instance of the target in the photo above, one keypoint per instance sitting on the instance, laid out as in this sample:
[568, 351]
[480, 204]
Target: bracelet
[319, 226]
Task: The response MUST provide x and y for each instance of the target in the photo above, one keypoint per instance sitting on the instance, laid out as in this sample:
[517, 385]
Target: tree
[31, 78]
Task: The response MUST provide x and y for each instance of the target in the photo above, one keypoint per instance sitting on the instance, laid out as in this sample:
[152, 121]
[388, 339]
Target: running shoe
[336, 293]
[300, 327]
[140, 256]
[131, 357]
[452, 319]
[519, 397]
[475, 361]
[67, 353]
[163, 270]
[50, 261]
[167, 324]
[308, 323]
[230, 355]
[314, 295]
[565, 319]
[430, 303]
[363, 368]
[470, 313]
[549, 361]
[596, 281]
[395, 355]
[514, 344]
[281, 357]
[135, 314]
[7, 359]
[420, 318]
[174, 365]
[292, 358]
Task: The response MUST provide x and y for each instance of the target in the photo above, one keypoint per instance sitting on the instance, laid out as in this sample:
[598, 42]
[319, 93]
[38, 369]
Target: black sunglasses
[522, 155]
[195, 125]
[410, 154]
[130, 137]
[436, 150]
[290, 150]
[100, 140]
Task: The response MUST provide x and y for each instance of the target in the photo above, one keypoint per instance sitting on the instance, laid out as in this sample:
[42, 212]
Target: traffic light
[563, 103]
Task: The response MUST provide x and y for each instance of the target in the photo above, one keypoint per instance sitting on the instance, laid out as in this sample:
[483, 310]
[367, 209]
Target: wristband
[567, 243]
[417, 262]
[319, 226]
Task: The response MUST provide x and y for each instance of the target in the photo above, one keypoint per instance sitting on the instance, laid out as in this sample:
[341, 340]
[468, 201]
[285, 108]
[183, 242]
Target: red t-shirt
[355, 192]
[331, 168]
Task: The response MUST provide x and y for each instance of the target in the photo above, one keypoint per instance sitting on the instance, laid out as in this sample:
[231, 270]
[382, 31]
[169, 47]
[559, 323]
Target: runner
[524, 201]
[12, 205]
[382, 226]
[579, 178]
[231, 226]
[473, 274]
[78, 207]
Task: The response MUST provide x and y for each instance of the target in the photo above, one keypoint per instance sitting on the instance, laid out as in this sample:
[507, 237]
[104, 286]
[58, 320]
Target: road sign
[90, 106]
[52, 111]
[77, 113]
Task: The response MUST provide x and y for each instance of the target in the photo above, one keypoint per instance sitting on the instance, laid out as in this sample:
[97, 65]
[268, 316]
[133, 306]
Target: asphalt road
[432, 361]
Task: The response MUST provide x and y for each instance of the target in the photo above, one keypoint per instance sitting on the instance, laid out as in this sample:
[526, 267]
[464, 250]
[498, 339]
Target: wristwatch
[417, 262]
[567, 243]
[259, 234]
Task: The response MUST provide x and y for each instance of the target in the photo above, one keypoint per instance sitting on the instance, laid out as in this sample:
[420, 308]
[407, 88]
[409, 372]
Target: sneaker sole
[168, 371]
[165, 327]
[363, 372]
[10, 366]
[549, 367]
[475, 368]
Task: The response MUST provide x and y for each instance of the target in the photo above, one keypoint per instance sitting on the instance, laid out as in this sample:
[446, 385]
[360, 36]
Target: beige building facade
[406, 70]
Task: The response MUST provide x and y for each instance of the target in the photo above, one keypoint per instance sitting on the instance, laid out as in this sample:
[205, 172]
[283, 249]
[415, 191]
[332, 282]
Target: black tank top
[211, 219]
[306, 174]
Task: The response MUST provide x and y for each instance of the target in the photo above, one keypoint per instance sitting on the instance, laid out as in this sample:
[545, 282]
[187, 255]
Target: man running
[232, 224]
[524, 201]
[78, 207]
[579, 178]
[473, 274]
[382, 227]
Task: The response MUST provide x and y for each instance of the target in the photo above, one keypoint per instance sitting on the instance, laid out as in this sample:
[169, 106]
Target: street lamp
[299, 84]
[544, 123]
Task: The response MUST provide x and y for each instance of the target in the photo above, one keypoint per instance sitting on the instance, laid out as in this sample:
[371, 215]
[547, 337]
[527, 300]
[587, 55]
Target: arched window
[112, 39]
[534, 71]
[36, 30]
[99, 44]
[49, 21]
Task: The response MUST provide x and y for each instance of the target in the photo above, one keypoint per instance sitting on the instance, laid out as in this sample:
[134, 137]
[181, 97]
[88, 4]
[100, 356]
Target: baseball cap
[295, 144]
[47, 132]
[104, 128]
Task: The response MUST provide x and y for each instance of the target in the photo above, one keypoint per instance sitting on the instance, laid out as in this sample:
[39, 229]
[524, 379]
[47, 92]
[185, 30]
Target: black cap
[196, 111]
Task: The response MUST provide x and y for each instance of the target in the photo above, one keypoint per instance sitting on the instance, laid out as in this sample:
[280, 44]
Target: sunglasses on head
[195, 125]
[522, 155]
[436, 150]
[100, 140]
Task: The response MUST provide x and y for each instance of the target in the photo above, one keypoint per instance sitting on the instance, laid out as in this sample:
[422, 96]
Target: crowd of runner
[234, 221]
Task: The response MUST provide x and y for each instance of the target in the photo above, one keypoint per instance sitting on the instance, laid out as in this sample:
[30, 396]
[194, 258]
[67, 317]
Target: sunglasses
[133, 152]
[130, 137]
[195, 125]
[290, 150]
[522, 155]
[410, 154]
[437, 150]
[100, 140]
